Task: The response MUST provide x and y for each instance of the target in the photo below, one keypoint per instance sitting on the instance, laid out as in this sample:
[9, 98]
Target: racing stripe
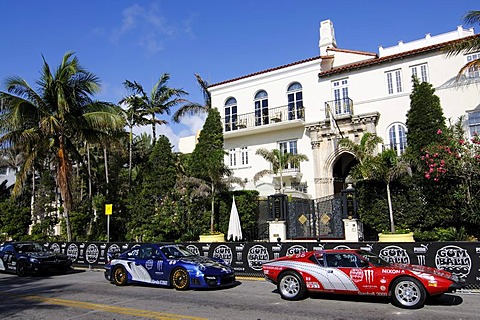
[138, 272]
[336, 280]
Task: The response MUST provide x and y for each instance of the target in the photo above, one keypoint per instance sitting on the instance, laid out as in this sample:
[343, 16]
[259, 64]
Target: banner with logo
[246, 258]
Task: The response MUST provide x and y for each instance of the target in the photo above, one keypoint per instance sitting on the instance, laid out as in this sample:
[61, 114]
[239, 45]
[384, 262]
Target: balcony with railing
[263, 120]
[339, 107]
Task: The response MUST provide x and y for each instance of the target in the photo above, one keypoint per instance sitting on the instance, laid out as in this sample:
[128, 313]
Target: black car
[31, 257]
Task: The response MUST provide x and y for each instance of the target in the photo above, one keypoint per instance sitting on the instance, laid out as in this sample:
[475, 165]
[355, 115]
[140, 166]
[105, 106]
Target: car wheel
[408, 293]
[291, 286]
[180, 279]
[119, 276]
[21, 268]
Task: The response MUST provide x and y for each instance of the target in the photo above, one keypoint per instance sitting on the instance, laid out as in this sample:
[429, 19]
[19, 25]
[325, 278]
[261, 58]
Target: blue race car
[168, 265]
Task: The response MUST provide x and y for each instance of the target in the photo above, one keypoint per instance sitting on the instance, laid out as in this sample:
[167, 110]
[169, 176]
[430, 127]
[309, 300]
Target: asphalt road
[86, 294]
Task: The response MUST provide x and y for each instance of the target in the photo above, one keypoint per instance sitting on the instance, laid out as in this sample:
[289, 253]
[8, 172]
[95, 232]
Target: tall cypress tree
[207, 160]
[424, 119]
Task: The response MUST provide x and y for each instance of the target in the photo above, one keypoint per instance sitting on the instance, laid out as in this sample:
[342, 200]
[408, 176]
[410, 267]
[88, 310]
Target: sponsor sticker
[368, 276]
[356, 274]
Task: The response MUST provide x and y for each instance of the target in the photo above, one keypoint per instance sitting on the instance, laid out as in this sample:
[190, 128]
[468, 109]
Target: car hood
[425, 269]
[46, 255]
[206, 262]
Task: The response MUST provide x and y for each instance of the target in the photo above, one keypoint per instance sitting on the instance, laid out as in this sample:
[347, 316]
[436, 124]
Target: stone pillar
[277, 230]
[353, 230]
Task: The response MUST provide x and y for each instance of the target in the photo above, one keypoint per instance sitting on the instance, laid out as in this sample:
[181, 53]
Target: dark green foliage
[207, 160]
[373, 206]
[424, 118]
[151, 198]
[14, 220]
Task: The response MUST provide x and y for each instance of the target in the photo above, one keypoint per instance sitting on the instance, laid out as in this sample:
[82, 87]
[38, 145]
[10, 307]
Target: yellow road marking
[104, 308]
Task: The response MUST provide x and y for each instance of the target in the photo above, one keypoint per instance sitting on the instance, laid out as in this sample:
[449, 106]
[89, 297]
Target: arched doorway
[341, 169]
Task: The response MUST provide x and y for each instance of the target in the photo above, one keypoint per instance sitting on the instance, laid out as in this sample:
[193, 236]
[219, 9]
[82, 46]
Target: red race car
[357, 272]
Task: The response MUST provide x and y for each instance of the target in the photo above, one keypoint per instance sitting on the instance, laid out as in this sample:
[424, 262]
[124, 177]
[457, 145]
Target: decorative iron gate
[315, 219]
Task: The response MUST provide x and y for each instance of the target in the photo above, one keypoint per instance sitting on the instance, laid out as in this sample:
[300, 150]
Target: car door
[340, 267]
[151, 260]
[361, 275]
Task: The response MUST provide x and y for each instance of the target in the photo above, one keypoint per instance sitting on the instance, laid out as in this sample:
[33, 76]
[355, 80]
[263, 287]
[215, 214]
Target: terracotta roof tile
[353, 51]
[401, 55]
[269, 70]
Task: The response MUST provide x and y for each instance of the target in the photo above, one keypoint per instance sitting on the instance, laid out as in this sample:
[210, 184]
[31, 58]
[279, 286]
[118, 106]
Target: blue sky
[219, 39]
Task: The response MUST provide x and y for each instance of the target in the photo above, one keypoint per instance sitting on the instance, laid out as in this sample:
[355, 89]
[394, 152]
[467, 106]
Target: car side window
[341, 260]
[146, 252]
[7, 248]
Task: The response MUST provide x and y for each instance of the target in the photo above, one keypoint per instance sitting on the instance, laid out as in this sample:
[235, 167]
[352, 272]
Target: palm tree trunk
[63, 171]
[390, 211]
[154, 129]
[89, 169]
[106, 165]
[130, 154]
[212, 216]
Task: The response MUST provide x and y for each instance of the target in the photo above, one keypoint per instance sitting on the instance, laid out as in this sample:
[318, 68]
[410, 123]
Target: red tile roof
[401, 55]
[355, 65]
[269, 70]
[353, 51]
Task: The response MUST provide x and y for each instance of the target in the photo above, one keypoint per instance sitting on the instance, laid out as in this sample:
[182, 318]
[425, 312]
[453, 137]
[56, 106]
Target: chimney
[327, 37]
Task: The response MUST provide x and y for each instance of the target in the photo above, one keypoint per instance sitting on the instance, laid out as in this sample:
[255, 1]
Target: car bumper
[455, 286]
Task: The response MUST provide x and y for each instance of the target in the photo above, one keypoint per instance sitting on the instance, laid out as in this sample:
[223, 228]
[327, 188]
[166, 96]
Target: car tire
[119, 276]
[291, 286]
[180, 279]
[21, 268]
[408, 293]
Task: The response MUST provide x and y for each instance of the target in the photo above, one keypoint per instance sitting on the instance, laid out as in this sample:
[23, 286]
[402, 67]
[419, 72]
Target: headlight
[201, 267]
[34, 260]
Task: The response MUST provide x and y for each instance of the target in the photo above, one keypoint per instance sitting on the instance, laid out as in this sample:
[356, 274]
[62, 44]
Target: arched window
[295, 101]
[261, 108]
[397, 137]
[230, 114]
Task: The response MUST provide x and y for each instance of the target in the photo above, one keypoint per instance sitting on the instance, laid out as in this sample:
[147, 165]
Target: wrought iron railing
[339, 107]
[263, 117]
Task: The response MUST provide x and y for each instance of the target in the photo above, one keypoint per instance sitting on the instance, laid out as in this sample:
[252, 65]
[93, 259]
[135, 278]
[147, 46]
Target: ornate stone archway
[325, 136]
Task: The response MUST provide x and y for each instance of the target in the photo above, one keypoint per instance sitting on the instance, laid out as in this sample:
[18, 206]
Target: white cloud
[146, 24]
[189, 126]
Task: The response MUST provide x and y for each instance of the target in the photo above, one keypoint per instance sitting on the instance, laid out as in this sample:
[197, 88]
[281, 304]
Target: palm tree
[385, 167]
[278, 162]
[364, 153]
[193, 108]
[388, 167]
[54, 119]
[160, 100]
[467, 46]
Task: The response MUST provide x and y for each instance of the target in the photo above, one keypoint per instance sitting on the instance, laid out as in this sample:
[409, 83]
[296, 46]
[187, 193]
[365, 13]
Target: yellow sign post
[108, 213]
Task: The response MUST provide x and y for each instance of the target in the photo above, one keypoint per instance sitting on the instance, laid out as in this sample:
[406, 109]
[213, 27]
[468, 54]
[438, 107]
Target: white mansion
[308, 106]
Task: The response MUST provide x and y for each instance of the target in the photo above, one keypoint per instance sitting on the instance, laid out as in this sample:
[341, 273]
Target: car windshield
[175, 252]
[29, 247]
[374, 259]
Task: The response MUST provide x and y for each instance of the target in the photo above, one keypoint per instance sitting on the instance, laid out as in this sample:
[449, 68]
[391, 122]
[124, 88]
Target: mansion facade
[307, 106]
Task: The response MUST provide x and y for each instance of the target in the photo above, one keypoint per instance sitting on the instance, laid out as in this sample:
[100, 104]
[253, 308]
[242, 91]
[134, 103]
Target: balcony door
[340, 97]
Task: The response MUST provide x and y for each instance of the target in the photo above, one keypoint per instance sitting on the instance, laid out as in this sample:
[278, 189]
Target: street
[85, 294]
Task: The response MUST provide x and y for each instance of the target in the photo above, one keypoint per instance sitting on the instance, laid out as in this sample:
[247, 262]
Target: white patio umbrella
[234, 228]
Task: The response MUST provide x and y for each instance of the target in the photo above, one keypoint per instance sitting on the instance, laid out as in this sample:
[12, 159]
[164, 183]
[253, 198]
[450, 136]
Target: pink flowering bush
[456, 159]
